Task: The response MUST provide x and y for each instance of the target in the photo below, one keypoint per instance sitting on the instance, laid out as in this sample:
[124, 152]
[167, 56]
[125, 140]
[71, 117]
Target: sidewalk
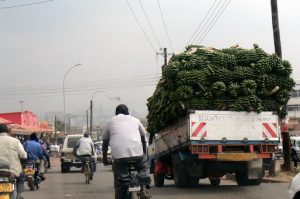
[281, 177]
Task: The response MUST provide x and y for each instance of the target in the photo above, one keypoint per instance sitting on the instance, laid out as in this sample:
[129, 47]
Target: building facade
[26, 119]
[294, 110]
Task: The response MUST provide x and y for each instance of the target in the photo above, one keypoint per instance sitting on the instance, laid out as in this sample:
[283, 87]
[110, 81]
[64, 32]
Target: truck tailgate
[221, 125]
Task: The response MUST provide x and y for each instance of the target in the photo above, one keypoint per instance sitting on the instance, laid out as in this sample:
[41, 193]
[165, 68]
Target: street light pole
[65, 127]
[21, 102]
[91, 111]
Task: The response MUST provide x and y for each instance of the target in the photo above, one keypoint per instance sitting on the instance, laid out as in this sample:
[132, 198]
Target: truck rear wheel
[180, 174]
[242, 178]
[193, 181]
[159, 179]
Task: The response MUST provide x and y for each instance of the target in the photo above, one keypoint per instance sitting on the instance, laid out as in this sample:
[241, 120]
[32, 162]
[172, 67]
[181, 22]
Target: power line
[139, 24]
[85, 89]
[25, 5]
[165, 26]
[75, 85]
[151, 27]
[207, 22]
[198, 28]
[217, 17]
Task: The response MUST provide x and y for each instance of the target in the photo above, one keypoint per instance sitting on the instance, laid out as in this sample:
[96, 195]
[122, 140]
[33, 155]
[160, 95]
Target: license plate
[6, 187]
[4, 179]
[29, 172]
[236, 156]
[76, 161]
[131, 189]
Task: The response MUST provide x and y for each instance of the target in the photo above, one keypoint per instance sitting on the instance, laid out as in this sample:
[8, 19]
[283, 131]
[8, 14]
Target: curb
[264, 180]
[267, 180]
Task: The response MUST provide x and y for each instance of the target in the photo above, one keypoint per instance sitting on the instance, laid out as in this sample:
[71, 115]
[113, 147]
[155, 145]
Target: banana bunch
[248, 87]
[233, 79]
[241, 73]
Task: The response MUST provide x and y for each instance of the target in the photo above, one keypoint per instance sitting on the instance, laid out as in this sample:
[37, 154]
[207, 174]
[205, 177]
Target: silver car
[294, 188]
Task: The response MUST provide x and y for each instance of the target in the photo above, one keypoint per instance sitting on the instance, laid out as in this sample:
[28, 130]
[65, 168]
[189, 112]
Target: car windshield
[72, 142]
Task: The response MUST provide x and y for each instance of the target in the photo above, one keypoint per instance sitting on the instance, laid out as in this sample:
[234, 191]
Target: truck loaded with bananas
[215, 112]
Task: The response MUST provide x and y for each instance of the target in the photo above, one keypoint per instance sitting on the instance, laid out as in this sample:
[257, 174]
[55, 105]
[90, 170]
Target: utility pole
[276, 31]
[277, 43]
[21, 102]
[55, 131]
[165, 55]
[91, 118]
[69, 123]
[87, 120]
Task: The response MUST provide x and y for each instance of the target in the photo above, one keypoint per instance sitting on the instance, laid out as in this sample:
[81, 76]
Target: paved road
[71, 185]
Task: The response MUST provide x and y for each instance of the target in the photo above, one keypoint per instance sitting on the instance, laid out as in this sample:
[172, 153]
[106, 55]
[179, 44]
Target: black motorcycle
[32, 177]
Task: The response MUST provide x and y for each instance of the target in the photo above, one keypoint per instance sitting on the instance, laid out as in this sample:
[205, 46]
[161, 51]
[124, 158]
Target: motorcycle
[8, 181]
[134, 186]
[31, 175]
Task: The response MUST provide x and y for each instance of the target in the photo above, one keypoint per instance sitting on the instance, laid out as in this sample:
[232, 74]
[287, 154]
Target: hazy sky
[39, 43]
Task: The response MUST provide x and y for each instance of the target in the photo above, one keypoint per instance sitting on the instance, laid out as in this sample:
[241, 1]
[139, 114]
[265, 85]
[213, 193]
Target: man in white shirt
[12, 151]
[127, 138]
[86, 151]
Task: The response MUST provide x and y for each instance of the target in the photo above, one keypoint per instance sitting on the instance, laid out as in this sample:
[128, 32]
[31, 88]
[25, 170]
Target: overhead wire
[67, 89]
[86, 89]
[165, 26]
[200, 25]
[75, 85]
[25, 5]
[141, 27]
[216, 18]
[151, 27]
[207, 22]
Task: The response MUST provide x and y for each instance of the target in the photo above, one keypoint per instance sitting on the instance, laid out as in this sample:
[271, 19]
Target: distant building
[294, 110]
[25, 123]
[26, 119]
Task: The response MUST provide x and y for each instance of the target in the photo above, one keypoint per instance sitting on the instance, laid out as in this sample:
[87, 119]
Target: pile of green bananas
[233, 79]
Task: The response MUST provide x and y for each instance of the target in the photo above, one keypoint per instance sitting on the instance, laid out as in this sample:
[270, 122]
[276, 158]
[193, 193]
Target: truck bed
[209, 132]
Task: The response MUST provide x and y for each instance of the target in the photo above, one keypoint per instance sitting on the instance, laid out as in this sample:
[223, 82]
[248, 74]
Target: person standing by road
[127, 138]
[294, 155]
[12, 151]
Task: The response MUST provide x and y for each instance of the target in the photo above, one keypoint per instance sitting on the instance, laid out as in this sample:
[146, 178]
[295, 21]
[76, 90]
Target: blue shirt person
[33, 148]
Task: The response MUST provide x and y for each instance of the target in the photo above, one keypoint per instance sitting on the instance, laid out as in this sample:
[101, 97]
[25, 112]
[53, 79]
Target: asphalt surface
[71, 185]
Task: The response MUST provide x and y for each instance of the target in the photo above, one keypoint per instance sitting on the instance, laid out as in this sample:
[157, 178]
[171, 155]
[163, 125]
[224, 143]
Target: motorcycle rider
[86, 150]
[35, 153]
[12, 151]
[127, 138]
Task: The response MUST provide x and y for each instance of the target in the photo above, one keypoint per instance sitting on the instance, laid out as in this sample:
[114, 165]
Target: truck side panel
[172, 138]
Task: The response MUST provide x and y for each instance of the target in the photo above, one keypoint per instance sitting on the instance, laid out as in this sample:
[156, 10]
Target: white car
[294, 188]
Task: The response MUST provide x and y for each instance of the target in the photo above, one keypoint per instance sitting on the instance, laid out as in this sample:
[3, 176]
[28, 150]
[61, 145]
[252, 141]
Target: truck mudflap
[255, 169]
[160, 168]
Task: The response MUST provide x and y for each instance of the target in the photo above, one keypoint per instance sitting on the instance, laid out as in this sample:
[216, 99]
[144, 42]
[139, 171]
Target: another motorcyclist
[12, 151]
[35, 153]
[86, 150]
[46, 154]
[127, 138]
